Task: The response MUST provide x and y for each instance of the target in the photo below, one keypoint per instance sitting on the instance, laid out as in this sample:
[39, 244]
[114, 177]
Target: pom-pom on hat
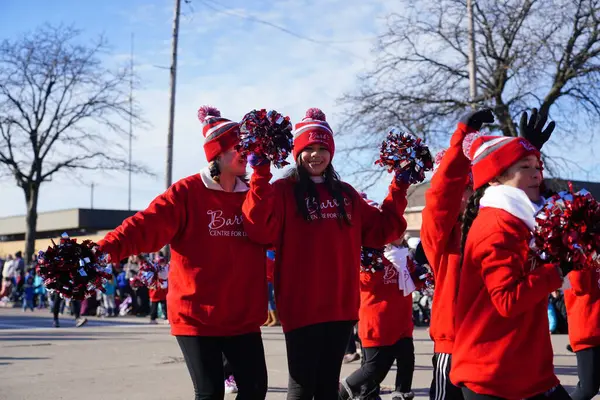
[220, 133]
[313, 129]
[492, 155]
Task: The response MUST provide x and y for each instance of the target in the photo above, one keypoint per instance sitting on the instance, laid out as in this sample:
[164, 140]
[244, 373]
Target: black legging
[588, 369]
[75, 306]
[378, 361]
[315, 355]
[559, 393]
[245, 354]
[154, 309]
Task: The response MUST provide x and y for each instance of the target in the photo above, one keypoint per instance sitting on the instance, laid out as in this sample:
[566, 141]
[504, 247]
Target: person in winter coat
[445, 202]
[385, 328]
[502, 346]
[217, 281]
[583, 311]
[317, 224]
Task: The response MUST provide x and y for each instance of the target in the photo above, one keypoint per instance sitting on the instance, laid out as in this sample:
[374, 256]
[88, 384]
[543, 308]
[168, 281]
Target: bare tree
[60, 111]
[530, 53]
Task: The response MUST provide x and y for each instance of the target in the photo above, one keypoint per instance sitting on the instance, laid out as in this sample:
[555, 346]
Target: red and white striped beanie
[220, 133]
[313, 129]
[492, 155]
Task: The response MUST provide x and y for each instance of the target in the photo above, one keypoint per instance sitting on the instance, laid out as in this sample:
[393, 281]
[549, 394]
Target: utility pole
[92, 195]
[472, 64]
[130, 119]
[169, 171]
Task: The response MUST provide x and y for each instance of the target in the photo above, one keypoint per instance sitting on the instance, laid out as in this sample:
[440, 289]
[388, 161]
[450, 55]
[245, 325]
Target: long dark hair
[471, 211]
[305, 187]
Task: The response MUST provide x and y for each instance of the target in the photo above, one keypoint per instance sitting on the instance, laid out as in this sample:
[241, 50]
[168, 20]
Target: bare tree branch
[528, 55]
[54, 94]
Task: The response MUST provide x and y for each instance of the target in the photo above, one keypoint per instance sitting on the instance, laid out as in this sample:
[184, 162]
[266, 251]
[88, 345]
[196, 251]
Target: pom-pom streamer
[406, 155]
[568, 230]
[75, 270]
[267, 134]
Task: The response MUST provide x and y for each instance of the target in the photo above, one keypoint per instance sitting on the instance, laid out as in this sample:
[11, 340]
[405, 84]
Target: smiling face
[315, 158]
[231, 162]
[525, 174]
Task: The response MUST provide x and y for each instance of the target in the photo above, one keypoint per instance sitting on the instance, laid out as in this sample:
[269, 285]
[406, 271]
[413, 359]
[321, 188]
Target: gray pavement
[126, 358]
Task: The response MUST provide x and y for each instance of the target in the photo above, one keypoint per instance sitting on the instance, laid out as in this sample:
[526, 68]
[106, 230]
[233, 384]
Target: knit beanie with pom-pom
[220, 133]
[313, 129]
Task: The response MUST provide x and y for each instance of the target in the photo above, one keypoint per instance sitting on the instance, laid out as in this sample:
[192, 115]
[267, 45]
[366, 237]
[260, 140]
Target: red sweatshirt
[440, 235]
[502, 345]
[583, 309]
[317, 262]
[385, 314]
[217, 282]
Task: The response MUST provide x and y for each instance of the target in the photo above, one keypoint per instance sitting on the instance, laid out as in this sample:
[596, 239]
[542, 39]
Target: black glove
[476, 119]
[565, 267]
[534, 130]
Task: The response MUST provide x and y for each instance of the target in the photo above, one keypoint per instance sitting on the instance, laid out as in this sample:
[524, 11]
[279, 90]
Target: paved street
[125, 358]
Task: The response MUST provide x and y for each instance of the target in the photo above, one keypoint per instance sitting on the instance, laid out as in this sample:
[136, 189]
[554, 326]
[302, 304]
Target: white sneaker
[230, 385]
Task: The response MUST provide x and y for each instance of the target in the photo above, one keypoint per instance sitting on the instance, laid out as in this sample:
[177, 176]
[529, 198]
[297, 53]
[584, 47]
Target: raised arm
[263, 211]
[443, 198]
[148, 230]
[581, 281]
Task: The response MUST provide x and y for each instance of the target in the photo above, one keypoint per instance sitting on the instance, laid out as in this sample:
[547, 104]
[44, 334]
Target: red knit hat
[220, 133]
[313, 129]
[492, 155]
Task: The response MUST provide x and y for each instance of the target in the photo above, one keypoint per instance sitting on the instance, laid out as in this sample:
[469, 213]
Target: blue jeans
[271, 298]
[27, 303]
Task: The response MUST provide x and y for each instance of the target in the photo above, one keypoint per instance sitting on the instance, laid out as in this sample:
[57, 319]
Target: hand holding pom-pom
[421, 276]
[406, 155]
[371, 260]
[567, 231]
[75, 270]
[268, 135]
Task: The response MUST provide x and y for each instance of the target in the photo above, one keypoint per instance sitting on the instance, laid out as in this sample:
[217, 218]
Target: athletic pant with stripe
[441, 387]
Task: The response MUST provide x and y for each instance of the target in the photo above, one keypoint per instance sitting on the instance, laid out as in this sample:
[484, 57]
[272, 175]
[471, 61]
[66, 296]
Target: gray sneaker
[403, 396]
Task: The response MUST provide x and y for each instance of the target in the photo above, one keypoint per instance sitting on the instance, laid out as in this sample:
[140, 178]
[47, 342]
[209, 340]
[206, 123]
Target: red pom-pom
[468, 143]
[315, 113]
[568, 230]
[151, 275]
[266, 134]
[422, 276]
[205, 112]
[371, 260]
[75, 270]
[406, 155]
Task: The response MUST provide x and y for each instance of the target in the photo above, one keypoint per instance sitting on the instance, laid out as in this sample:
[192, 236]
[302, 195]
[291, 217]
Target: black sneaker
[569, 348]
[56, 324]
[81, 322]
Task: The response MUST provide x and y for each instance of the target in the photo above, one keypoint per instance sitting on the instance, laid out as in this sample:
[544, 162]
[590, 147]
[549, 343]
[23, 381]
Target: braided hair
[471, 212]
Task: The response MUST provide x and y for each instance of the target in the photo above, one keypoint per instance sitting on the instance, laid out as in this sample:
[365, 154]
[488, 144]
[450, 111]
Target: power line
[327, 43]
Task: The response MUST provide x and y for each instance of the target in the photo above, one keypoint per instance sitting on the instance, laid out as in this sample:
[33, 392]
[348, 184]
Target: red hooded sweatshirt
[583, 309]
[441, 234]
[502, 345]
[385, 314]
[217, 278]
[317, 263]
